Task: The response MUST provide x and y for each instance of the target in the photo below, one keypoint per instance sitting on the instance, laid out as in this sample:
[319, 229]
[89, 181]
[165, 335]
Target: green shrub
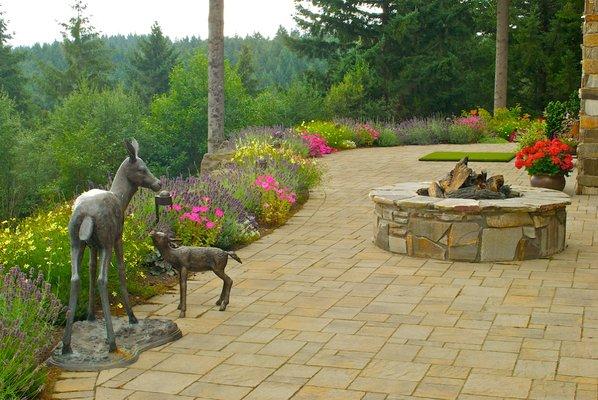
[86, 136]
[28, 311]
[534, 132]
[387, 138]
[10, 130]
[41, 243]
[504, 122]
[276, 107]
[462, 134]
[334, 133]
[178, 122]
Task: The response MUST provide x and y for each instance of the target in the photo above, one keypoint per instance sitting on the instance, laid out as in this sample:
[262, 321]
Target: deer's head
[161, 240]
[135, 169]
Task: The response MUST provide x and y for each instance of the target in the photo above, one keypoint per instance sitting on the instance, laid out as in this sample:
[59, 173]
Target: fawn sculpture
[97, 222]
[195, 259]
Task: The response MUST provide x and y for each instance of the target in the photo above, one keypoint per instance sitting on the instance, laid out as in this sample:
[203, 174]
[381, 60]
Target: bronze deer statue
[97, 222]
[187, 259]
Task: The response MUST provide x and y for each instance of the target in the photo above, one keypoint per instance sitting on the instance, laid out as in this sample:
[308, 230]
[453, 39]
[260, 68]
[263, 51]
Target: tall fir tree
[246, 69]
[11, 79]
[412, 47]
[87, 59]
[152, 63]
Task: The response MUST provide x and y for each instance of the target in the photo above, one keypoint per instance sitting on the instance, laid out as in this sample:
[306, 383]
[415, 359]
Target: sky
[33, 21]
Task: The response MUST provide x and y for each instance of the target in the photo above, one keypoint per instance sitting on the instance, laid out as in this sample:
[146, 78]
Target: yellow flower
[119, 305]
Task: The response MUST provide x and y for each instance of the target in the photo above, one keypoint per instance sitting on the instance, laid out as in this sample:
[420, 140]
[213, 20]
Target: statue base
[90, 348]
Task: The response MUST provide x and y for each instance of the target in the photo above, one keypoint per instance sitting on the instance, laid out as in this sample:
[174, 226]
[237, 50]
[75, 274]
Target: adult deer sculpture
[97, 222]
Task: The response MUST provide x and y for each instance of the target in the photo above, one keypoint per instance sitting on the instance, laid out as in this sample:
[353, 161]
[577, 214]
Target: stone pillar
[588, 149]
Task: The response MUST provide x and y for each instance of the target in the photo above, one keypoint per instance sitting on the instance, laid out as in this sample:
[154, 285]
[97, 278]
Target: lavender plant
[28, 310]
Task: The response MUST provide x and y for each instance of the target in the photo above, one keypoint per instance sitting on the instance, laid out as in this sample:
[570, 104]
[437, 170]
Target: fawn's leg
[226, 287]
[105, 255]
[183, 289]
[93, 271]
[120, 257]
[77, 250]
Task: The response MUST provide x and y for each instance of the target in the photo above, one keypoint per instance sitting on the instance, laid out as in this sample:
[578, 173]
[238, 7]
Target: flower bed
[28, 310]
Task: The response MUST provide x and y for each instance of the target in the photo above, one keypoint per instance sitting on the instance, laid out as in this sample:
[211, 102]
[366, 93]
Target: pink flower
[206, 199]
[210, 224]
[219, 213]
[200, 209]
[177, 207]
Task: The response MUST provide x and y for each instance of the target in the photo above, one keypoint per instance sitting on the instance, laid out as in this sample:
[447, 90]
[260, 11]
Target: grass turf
[473, 156]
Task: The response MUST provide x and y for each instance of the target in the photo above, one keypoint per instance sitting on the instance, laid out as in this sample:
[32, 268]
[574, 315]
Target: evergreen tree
[417, 50]
[246, 69]
[152, 63]
[87, 59]
[11, 79]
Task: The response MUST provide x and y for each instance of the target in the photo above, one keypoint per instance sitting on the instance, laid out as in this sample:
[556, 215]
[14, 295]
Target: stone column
[588, 149]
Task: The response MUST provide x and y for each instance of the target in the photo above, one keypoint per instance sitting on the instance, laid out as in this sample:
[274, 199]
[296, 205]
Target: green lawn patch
[473, 156]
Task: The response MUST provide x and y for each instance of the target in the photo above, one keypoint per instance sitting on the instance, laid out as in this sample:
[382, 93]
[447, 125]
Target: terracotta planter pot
[554, 182]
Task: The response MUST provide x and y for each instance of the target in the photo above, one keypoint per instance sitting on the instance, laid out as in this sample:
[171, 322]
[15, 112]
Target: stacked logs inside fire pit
[464, 183]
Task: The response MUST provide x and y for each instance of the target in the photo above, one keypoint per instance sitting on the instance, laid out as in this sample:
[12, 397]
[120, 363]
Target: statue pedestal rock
[90, 348]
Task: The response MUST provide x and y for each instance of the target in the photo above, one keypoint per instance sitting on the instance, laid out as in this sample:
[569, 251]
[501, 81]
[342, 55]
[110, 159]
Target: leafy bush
[334, 133]
[365, 135]
[178, 122]
[505, 123]
[460, 134]
[300, 102]
[535, 132]
[28, 310]
[10, 127]
[387, 138]
[40, 243]
[420, 131]
[86, 136]
[560, 115]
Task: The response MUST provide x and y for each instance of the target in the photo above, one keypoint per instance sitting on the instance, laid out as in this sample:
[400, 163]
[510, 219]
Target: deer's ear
[132, 148]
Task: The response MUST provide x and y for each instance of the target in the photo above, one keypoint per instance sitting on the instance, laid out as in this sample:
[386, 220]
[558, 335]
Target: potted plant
[547, 161]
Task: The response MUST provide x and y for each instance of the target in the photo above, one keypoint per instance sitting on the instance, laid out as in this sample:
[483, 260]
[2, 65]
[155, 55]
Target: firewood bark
[457, 177]
[435, 190]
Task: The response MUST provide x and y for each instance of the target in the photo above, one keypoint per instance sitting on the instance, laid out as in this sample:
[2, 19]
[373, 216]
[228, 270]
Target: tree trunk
[502, 54]
[215, 75]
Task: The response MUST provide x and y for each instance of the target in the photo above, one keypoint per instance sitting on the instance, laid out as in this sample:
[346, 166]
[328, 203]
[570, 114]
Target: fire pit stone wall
[527, 227]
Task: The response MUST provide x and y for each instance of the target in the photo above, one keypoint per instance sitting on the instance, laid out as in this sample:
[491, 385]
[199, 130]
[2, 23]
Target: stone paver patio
[318, 312]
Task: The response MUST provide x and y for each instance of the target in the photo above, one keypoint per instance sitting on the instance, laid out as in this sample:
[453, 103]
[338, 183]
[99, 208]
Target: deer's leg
[105, 255]
[180, 289]
[183, 289]
[120, 256]
[93, 272]
[226, 287]
[77, 250]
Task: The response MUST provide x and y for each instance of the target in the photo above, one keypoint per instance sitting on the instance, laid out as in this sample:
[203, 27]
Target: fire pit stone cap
[531, 200]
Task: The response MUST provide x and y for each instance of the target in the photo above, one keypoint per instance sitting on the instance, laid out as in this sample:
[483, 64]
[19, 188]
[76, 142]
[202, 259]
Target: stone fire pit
[520, 228]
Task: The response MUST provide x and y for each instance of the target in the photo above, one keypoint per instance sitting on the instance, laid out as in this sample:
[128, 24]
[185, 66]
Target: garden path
[318, 312]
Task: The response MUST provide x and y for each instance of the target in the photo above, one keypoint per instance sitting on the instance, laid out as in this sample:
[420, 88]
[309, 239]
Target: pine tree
[87, 59]
[246, 69]
[11, 79]
[152, 63]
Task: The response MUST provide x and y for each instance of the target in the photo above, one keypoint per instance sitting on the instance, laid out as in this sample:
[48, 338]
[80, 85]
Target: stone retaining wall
[532, 226]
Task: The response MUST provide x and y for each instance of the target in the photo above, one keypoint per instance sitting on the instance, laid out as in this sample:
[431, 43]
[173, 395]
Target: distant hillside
[275, 64]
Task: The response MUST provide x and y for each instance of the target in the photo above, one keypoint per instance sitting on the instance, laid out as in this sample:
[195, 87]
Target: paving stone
[334, 377]
[578, 367]
[189, 363]
[552, 390]
[273, 391]
[240, 375]
[103, 393]
[486, 359]
[321, 393]
[216, 391]
[499, 386]
[161, 382]
[74, 384]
